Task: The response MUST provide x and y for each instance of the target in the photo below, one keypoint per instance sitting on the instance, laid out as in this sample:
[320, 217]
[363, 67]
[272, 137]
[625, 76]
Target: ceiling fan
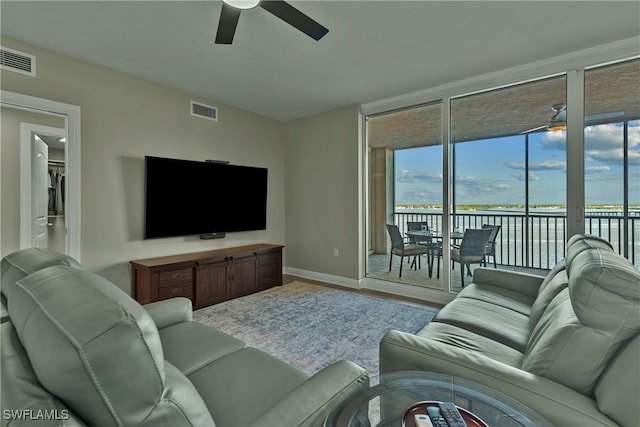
[231, 10]
[558, 120]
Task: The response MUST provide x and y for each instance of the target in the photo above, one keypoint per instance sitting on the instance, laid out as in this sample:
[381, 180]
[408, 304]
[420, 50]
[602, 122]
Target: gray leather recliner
[80, 351]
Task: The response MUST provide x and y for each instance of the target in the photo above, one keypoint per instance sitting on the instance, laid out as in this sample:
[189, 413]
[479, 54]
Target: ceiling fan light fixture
[242, 4]
[559, 119]
[557, 126]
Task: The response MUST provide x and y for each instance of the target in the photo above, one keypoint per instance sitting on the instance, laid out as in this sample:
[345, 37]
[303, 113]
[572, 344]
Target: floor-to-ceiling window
[405, 189]
[612, 155]
[509, 158]
[508, 167]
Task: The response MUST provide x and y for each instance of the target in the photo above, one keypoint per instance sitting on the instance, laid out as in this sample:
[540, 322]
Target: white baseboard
[321, 277]
[400, 289]
[393, 288]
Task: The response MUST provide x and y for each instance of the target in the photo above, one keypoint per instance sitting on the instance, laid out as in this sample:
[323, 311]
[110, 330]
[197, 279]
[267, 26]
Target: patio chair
[491, 246]
[416, 226]
[472, 250]
[402, 249]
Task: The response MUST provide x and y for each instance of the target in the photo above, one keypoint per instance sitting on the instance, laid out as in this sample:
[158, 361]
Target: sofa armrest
[309, 404]
[400, 351]
[170, 311]
[523, 283]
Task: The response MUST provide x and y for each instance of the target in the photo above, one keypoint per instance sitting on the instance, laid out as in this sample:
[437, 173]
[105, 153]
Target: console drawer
[269, 258]
[180, 290]
[269, 270]
[171, 277]
[269, 275]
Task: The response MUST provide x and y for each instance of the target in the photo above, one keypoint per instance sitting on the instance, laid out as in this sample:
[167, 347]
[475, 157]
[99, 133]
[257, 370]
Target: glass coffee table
[393, 400]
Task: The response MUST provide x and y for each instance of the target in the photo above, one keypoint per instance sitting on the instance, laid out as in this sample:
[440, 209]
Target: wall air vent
[18, 62]
[204, 111]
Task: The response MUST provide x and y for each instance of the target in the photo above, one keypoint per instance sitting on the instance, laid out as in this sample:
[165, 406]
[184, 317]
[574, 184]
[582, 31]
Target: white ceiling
[374, 49]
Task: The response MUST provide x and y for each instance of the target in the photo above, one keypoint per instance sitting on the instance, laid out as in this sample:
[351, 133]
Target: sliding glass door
[508, 167]
[612, 156]
[516, 158]
[405, 190]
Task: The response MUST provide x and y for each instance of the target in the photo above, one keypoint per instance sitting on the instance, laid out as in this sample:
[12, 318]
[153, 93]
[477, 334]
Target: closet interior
[56, 188]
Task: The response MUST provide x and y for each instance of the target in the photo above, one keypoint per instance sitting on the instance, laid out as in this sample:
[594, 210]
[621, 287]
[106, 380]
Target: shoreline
[515, 207]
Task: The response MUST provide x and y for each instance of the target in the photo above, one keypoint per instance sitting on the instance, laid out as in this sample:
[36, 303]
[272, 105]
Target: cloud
[481, 185]
[596, 138]
[547, 165]
[419, 195]
[615, 156]
[604, 143]
[405, 175]
[521, 176]
[597, 169]
[554, 140]
[606, 137]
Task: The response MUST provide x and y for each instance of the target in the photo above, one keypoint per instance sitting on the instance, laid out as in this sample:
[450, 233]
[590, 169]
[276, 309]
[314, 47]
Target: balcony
[532, 243]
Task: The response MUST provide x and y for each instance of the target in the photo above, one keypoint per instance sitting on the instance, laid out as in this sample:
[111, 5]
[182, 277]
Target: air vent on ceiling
[204, 111]
[18, 62]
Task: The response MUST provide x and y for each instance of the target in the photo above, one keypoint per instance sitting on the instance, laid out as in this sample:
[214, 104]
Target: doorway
[44, 150]
[16, 196]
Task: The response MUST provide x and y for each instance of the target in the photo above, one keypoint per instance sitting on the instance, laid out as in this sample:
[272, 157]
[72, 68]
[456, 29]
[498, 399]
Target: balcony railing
[538, 240]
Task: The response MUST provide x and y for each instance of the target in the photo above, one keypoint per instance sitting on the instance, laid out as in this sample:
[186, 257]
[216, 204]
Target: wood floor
[287, 278]
[378, 268]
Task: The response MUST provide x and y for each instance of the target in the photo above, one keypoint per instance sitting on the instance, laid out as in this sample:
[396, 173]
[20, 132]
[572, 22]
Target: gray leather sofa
[566, 345]
[77, 350]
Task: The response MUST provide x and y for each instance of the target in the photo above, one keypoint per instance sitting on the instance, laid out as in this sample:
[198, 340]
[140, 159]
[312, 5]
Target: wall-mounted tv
[185, 197]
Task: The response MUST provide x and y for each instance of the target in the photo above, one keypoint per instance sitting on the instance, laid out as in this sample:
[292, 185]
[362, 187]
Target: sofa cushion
[19, 264]
[247, 375]
[467, 340]
[499, 296]
[582, 242]
[99, 351]
[192, 345]
[585, 324]
[618, 389]
[560, 266]
[548, 292]
[500, 324]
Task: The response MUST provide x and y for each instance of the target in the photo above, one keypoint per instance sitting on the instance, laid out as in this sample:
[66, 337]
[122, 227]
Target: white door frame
[71, 113]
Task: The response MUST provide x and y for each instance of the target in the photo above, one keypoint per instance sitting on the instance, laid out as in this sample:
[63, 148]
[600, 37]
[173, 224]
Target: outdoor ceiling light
[242, 4]
[559, 120]
[559, 126]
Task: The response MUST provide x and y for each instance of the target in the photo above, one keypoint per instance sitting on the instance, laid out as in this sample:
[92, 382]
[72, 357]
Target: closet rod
[56, 161]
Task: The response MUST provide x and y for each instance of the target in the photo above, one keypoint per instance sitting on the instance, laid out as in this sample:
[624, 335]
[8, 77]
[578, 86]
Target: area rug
[311, 326]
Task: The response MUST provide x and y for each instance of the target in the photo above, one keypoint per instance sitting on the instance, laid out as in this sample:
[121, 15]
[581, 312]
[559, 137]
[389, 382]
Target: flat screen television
[186, 197]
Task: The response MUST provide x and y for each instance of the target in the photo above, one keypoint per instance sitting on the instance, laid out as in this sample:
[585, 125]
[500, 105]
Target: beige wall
[124, 118]
[322, 194]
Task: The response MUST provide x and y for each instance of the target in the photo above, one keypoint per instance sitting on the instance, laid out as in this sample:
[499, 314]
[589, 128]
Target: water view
[544, 228]
[520, 183]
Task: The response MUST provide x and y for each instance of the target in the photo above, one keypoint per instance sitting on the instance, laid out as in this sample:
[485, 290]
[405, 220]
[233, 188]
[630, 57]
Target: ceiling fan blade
[295, 18]
[533, 129]
[229, 17]
[603, 116]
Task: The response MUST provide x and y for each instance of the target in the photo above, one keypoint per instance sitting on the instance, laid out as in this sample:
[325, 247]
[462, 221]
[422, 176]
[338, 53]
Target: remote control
[436, 418]
[422, 420]
[450, 413]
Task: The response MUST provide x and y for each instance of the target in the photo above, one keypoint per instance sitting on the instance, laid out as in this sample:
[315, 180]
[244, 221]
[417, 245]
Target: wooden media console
[208, 277]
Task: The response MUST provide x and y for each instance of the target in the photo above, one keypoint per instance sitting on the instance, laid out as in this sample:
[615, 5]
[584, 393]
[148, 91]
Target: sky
[492, 171]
